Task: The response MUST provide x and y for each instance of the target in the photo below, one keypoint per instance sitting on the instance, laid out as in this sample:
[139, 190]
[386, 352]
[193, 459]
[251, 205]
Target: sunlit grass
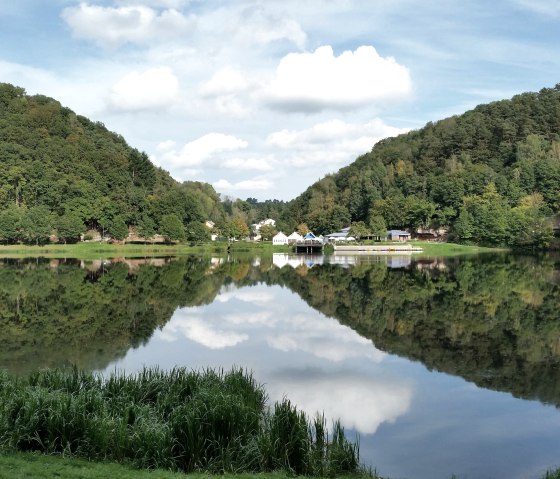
[99, 250]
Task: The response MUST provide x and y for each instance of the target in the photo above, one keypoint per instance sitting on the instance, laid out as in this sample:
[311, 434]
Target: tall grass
[211, 421]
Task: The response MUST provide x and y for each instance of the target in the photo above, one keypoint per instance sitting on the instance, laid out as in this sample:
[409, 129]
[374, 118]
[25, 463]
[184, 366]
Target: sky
[261, 98]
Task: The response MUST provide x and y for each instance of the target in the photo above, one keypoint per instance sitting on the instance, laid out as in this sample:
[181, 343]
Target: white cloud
[200, 331]
[258, 164]
[248, 185]
[112, 27]
[256, 24]
[154, 3]
[360, 402]
[311, 82]
[152, 89]
[204, 150]
[324, 338]
[246, 295]
[226, 81]
[333, 143]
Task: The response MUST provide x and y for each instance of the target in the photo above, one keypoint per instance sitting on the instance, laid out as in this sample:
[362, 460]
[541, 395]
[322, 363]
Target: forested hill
[62, 172]
[492, 175]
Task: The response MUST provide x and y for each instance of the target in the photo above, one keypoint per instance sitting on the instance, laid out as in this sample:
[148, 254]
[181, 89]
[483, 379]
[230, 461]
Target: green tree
[267, 232]
[237, 228]
[377, 226]
[359, 230]
[171, 227]
[69, 227]
[146, 228]
[36, 224]
[197, 232]
[117, 228]
[9, 225]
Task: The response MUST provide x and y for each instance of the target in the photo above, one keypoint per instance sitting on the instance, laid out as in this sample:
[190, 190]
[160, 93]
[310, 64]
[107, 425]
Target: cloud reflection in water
[319, 364]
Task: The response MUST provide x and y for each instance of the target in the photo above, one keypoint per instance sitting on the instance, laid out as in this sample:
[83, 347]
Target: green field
[39, 466]
[92, 250]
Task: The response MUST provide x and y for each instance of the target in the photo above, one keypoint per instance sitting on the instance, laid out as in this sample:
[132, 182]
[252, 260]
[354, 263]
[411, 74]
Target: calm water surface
[441, 366]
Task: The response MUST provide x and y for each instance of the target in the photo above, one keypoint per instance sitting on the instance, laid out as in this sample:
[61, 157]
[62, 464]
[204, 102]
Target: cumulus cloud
[112, 27]
[229, 89]
[249, 185]
[360, 402]
[151, 89]
[324, 338]
[201, 331]
[226, 81]
[202, 151]
[258, 25]
[312, 82]
[333, 142]
[258, 164]
[246, 295]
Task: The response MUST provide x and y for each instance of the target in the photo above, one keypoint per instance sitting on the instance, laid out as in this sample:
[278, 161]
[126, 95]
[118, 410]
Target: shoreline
[96, 250]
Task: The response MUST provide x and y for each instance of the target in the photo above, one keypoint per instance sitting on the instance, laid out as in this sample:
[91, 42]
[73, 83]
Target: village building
[280, 239]
[398, 235]
[294, 238]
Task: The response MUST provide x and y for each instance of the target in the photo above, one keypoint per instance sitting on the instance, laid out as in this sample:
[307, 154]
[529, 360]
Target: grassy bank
[180, 420]
[430, 248]
[38, 466]
[104, 250]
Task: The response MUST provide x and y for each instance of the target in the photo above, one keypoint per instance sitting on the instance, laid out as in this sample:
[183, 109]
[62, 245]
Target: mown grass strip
[39, 466]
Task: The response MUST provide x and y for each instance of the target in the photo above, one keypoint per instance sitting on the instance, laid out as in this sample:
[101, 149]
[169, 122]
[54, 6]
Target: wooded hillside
[492, 175]
[62, 172]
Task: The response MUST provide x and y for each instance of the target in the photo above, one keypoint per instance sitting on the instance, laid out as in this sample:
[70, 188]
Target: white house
[257, 226]
[342, 235]
[294, 237]
[280, 239]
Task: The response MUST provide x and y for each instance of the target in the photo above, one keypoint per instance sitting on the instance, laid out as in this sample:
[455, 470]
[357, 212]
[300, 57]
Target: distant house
[398, 235]
[268, 222]
[280, 239]
[294, 238]
[342, 235]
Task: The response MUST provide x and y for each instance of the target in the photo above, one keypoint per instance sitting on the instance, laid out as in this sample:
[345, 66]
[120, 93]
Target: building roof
[280, 235]
[397, 233]
[295, 235]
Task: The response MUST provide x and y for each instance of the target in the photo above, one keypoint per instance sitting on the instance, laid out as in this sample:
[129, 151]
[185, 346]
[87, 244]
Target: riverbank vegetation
[211, 421]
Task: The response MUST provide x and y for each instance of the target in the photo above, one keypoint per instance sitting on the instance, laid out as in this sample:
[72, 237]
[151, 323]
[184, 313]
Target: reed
[206, 421]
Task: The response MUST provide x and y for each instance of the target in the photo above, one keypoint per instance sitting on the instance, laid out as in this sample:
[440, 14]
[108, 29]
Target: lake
[441, 366]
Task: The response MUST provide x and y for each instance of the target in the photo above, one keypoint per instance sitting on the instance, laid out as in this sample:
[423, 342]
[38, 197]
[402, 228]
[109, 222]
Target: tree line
[65, 174]
[489, 176]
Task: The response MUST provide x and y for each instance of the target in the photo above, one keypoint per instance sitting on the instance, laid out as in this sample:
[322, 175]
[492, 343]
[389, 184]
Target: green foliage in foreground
[552, 474]
[35, 466]
[180, 420]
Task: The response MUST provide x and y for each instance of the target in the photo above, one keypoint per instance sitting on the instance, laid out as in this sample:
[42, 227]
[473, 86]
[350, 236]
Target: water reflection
[336, 337]
[318, 363]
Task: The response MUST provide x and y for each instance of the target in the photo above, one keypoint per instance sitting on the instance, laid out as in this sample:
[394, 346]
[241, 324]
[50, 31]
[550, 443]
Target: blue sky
[262, 98]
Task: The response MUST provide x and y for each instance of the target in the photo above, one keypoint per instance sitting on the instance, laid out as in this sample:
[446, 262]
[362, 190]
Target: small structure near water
[309, 244]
